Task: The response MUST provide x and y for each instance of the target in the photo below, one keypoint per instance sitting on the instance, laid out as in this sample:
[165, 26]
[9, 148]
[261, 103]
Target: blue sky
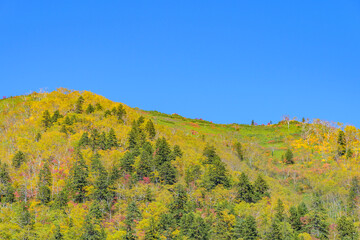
[223, 61]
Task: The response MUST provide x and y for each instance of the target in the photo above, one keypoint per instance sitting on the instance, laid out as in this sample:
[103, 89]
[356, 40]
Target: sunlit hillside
[75, 165]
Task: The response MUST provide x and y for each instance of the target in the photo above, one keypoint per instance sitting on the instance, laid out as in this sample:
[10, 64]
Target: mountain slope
[77, 165]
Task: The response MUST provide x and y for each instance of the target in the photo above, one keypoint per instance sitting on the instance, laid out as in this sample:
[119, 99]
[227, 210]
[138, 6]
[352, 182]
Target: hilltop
[75, 165]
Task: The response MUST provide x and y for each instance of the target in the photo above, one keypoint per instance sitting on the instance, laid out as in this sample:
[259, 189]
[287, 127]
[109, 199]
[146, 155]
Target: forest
[75, 165]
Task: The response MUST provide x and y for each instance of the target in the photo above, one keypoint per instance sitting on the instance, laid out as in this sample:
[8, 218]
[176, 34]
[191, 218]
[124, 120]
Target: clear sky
[223, 61]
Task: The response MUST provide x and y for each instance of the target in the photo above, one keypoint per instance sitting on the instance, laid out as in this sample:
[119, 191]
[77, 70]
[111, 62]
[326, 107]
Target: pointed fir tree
[133, 215]
[103, 141]
[98, 107]
[68, 121]
[55, 117]
[245, 191]
[79, 105]
[18, 159]
[111, 139]
[107, 113]
[239, 152]
[84, 140]
[289, 157]
[92, 231]
[37, 137]
[319, 226]
[45, 180]
[279, 211]
[260, 189]
[177, 151]
[178, 205]
[346, 229]
[79, 180]
[94, 140]
[57, 234]
[90, 109]
[341, 143]
[150, 128]
[245, 228]
[46, 120]
[353, 194]
[294, 219]
[120, 113]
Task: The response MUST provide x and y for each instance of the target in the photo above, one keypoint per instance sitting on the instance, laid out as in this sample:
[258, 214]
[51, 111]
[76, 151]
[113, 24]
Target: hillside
[75, 165]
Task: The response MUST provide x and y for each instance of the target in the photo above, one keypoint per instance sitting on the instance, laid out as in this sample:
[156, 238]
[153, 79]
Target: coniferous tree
[102, 141]
[260, 189]
[64, 129]
[18, 159]
[79, 105]
[145, 165]
[341, 143]
[98, 107]
[246, 228]
[177, 207]
[38, 137]
[239, 152]
[6, 189]
[279, 211]
[107, 113]
[57, 234]
[133, 215]
[346, 229]
[294, 219]
[120, 112]
[177, 151]
[60, 199]
[46, 120]
[68, 121]
[111, 139]
[127, 161]
[56, 116]
[289, 157]
[94, 139]
[84, 140]
[79, 179]
[252, 122]
[90, 109]
[353, 194]
[194, 227]
[216, 170]
[275, 232]
[92, 231]
[45, 180]
[319, 226]
[150, 128]
[245, 191]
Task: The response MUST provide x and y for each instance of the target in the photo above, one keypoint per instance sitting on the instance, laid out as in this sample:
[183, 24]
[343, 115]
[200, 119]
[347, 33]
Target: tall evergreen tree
[79, 105]
[341, 143]
[352, 197]
[177, 151]
[111, 139]
[18, 159]
[319, 226]
[84, 140]
[279, 211]
[57, 234]
[150, 128]
[45, 180]
[177, 207]
[246, 228]
[194, 227]
[346, 229]
[94, 139]
[46, 120]
[289, 157]
[133, 215]
[90, 109]
[56, 116]
[79, 179]
[294, 219]
[245, 191]
[102, 141]
[239, 151]
[120, 113]
[260, 189]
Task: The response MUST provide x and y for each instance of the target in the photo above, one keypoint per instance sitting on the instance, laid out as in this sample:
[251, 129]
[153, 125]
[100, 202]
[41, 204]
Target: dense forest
[75, 165]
